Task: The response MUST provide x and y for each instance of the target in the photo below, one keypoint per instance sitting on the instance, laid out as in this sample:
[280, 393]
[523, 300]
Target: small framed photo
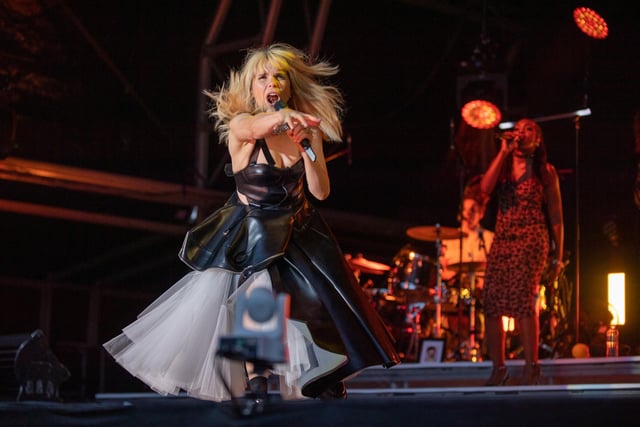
[431, 350]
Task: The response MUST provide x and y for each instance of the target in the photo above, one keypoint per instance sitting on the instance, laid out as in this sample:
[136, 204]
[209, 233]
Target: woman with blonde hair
[273, 114]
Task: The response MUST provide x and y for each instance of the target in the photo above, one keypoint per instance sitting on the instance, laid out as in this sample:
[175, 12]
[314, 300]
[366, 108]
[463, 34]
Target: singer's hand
[509, 141]
[293, 118]
[299, 133]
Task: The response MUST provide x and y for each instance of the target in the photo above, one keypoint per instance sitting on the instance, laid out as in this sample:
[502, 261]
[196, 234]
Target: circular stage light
[590, 22]
[481, 114]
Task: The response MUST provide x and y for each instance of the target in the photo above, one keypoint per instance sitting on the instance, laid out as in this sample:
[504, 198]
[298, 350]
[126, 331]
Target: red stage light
[590, 22]
[481, 114]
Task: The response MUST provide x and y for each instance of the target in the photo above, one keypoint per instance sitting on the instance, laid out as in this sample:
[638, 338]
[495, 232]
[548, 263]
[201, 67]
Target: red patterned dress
[519, 251]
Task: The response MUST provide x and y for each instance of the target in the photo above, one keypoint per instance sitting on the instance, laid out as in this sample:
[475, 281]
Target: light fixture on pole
[481, 98]
[481, 87]
[594, 26]
[481, 90]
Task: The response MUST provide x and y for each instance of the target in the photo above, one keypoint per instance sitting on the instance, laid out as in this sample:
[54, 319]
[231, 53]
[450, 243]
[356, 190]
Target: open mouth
[272, 98]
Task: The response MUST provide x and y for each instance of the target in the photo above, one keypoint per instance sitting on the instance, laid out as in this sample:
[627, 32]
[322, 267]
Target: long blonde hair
[309, 93]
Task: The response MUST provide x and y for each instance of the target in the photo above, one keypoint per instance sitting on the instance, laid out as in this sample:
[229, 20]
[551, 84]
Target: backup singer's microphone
[508, 135]
[482, 244]
[306, 144]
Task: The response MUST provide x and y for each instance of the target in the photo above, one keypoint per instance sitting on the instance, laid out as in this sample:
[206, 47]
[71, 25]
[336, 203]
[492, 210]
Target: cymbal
[366, 266]
[466, 267]
[432, 233]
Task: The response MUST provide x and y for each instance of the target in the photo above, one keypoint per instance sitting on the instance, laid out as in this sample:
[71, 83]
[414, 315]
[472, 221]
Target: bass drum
[412, 271]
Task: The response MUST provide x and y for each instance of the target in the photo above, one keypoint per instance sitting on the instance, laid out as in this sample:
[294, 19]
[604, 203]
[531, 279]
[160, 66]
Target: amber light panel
[590, 22]
[481, 114]
[615, 297]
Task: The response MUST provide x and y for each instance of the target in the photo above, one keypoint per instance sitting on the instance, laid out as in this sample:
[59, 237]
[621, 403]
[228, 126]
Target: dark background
[111, 86]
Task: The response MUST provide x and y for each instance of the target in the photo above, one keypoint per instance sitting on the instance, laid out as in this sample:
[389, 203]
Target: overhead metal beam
[76, 215]
[91, 181]
[318, 28]
[272, 22]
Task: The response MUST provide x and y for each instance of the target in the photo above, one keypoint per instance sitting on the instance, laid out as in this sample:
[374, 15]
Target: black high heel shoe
[531, 374]
[255, 398]
[259, 387]
[337, 391]
[499, 376]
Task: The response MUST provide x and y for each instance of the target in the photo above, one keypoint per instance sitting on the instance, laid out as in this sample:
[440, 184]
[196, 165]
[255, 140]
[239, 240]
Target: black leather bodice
[268, 186]
[247, 238]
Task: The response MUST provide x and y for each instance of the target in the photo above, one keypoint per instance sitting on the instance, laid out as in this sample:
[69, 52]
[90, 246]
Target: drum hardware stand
[469, 349]
[413, 347]
[474, 355]
[438, 298]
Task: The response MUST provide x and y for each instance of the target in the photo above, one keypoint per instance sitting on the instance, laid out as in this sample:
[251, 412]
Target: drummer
[475, 241]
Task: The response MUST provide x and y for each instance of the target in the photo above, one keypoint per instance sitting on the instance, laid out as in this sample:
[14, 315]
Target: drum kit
[413, 299]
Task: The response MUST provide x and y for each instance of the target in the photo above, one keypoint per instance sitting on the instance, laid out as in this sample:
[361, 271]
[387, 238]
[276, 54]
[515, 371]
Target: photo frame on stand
[431, 350]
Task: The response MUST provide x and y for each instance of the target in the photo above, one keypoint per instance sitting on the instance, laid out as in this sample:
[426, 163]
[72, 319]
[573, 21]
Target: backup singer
[528, 188]
[268, 234]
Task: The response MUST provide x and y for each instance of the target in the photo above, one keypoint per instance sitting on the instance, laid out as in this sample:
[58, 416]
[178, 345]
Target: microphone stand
[575, 115]
[576, 122]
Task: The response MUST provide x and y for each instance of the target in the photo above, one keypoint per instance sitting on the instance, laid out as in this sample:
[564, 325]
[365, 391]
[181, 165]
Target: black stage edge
[397, 400]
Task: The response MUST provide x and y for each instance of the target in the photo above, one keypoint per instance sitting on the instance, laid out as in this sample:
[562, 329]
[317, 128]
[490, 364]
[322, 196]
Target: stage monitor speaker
[29, 369]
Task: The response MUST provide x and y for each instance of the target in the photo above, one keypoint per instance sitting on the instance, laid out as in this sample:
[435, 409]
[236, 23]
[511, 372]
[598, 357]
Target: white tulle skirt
[173, 343]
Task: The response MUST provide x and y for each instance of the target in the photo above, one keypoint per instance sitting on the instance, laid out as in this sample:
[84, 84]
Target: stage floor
[601, 392]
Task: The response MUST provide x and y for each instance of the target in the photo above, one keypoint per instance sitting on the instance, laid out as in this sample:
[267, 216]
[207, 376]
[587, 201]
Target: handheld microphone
[508, 135]
[482, 244]
[306, 144]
